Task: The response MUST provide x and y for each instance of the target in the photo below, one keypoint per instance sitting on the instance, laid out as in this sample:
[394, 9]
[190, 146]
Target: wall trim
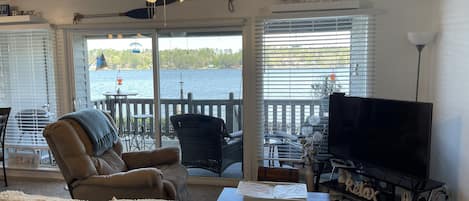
[213, 181]
[40, 173]
[55, 174]
[158, 24]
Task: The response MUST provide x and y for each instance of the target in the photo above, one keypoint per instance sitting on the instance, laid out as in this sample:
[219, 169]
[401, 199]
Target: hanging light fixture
[136, 47]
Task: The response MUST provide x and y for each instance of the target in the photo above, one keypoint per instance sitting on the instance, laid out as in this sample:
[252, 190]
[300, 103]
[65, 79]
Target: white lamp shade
[421, 38]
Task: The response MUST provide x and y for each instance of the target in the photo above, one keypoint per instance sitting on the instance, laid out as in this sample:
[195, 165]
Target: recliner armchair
[132, 175]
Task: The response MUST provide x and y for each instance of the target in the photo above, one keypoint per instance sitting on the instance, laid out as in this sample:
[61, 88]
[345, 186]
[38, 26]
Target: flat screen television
[394, 135]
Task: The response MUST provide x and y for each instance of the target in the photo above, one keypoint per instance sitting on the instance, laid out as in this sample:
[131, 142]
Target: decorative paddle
[139, 13]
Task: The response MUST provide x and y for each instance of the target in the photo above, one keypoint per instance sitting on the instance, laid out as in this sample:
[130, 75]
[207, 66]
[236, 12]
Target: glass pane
[121, 83]
[201, 73]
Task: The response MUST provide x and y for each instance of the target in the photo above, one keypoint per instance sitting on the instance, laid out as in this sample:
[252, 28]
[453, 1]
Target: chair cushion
[109, 163]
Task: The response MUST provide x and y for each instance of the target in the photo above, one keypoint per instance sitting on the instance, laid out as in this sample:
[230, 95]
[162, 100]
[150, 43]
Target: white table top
[230, 194]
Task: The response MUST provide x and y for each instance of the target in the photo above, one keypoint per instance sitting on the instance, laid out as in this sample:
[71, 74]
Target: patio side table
[119, 98]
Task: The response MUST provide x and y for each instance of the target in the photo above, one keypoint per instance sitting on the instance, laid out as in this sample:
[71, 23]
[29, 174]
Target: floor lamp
[420, 39]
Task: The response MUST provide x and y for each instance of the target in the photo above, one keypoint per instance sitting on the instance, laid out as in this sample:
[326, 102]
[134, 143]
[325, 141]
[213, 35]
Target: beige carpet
[57, 189]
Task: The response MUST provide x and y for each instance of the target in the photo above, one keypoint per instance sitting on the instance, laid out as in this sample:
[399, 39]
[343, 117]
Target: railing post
[239, 114]
[189, 104]
[229, 113]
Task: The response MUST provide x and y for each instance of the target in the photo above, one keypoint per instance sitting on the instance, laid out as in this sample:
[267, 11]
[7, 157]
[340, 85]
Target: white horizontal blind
[27, 85]
[299, 63]
[82, 99]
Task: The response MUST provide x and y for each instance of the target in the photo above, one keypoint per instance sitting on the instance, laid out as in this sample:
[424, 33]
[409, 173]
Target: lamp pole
[420, 39]
[419, 49]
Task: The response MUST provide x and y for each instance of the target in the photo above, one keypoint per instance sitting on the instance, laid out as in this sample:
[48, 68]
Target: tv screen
[387, 133]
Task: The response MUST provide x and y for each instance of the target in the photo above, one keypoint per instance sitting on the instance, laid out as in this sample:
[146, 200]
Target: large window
[27, 85]
[300, 62]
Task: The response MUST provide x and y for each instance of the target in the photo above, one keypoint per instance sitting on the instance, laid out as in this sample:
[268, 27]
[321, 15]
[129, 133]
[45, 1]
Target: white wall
[450, 160]
[396, 58]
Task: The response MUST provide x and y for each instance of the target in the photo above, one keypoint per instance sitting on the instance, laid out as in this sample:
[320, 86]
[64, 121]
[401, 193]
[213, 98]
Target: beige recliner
[132, 175]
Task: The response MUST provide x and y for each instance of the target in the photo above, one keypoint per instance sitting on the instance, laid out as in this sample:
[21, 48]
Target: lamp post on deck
[181, 85]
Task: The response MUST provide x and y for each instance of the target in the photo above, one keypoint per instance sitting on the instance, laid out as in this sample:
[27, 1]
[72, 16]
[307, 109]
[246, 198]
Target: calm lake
[203, 83]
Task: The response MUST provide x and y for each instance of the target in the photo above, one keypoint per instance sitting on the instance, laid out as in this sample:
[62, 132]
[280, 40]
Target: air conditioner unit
[315, 6]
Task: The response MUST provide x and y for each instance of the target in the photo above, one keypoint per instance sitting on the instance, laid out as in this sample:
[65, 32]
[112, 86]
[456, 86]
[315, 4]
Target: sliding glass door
[194, 72]
[201, 73]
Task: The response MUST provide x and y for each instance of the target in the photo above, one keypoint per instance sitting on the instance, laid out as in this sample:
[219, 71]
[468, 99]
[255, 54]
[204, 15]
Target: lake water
[203, 84]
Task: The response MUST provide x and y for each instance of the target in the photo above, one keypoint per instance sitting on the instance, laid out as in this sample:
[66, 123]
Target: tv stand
[385, 182]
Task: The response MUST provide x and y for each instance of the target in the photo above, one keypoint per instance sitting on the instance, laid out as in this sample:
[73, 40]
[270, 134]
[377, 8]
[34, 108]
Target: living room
[393, 60]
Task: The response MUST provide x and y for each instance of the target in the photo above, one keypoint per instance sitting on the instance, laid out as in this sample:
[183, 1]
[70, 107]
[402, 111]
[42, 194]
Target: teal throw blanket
[101, 132]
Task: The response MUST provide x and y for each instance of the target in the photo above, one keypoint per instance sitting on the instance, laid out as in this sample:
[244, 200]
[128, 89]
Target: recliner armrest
[142, 159]
[143, 177]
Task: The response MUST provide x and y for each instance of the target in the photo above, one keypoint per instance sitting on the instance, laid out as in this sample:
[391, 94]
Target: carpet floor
[57, 189]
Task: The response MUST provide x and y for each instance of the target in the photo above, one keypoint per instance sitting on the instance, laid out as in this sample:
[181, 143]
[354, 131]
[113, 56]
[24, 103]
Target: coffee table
[230, 194]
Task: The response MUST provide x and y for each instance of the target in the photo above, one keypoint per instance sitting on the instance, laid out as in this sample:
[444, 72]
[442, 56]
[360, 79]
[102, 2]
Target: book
[272, 191]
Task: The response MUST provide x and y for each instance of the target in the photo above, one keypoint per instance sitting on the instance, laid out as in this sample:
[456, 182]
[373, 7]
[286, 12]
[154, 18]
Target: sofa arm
[134, 184]
[143, 159]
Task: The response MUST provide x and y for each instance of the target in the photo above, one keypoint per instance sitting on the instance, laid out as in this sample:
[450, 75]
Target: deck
[134, 118]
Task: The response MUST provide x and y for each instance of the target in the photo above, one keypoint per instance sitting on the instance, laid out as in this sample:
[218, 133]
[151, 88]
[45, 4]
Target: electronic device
[394, 135]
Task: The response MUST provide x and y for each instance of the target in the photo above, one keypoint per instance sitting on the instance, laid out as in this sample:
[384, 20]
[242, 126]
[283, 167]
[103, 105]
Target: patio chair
[31, 123]
[4, 114]
[205, 142]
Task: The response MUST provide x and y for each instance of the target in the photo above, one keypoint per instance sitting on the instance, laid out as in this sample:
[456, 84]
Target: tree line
[207, 58]
[169, 59]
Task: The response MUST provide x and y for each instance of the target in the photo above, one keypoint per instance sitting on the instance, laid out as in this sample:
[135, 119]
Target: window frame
[354, 56]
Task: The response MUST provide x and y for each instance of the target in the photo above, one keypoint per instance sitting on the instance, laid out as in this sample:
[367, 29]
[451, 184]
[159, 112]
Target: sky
[215, 42]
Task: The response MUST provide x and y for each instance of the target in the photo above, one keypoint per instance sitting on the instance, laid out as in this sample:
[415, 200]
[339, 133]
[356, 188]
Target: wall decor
[140, 13]
[359, 188]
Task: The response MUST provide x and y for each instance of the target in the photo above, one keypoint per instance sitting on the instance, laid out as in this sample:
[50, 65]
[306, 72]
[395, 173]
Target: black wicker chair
[205, 143]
